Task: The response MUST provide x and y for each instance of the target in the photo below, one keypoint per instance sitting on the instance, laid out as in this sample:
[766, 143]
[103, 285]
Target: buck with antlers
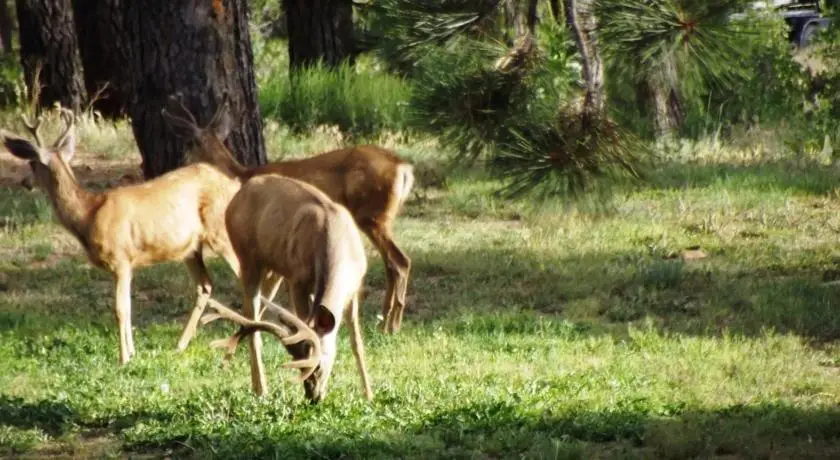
[282, 226]
[170, 218]
[371, 182]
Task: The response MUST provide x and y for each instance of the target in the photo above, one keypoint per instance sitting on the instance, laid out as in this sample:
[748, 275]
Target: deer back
[372, 182]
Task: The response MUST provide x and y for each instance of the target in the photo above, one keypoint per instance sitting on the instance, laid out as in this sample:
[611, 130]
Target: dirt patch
[92, 170]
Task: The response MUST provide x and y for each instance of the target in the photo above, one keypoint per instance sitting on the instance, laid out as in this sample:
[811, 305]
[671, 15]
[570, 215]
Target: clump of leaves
[402, 31]
[563, 157]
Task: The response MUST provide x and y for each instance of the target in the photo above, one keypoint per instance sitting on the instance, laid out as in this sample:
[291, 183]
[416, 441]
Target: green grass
[533, 330]
[359, 100]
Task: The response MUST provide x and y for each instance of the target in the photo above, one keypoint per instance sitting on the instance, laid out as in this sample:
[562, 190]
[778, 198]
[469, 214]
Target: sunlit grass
[536, 330]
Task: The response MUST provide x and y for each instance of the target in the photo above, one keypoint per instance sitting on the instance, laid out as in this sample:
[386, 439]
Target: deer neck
[73, 205]
[225, 161]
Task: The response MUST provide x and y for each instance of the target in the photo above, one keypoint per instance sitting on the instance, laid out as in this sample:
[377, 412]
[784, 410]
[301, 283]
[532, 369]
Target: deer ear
[24, 149]
[179, 126]
[324, 320]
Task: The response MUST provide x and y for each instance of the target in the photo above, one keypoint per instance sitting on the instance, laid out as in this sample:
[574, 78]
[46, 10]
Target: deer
[169, 218]
[287, 230]
[371, 182]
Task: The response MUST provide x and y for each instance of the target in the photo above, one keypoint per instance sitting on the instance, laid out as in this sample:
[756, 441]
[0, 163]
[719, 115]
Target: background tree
[201, 49]
[48, 40]
[582, 22]
[105, 55]
[319, 30]
[6, 25]
[668, 46]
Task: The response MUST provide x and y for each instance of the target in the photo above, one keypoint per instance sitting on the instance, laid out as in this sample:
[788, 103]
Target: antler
[33, 127]
[176, 108]
[247, 327]
[69, 120]
[35, 93]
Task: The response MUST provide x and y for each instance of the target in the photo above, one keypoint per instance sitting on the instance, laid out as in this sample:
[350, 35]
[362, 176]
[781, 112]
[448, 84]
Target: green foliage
[649, 37]
[402, 32]
[360, 99]
[516, 118]
[470, 104]
[563, 157]
[11, 77]
[772, 91]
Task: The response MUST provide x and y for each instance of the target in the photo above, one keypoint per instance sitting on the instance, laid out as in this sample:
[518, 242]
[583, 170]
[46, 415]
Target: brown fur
[170, 218]
[370, 181]
[288, 228]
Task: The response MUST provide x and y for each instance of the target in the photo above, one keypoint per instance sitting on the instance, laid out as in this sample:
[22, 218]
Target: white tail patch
[404, 182]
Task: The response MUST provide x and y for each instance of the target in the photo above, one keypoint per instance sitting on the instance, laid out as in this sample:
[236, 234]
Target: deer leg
[397, 266]
[204, 287]
[357, 345]
[123, 313]
[404, 268]
[251, 280]
[270, 286]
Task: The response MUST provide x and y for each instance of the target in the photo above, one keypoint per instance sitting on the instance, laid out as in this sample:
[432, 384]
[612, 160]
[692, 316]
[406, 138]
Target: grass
[534, 330]
[359, 100]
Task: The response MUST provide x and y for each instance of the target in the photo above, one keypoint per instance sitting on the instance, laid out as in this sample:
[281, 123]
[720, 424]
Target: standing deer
[371, 182]
[170, 218]
[284, 227]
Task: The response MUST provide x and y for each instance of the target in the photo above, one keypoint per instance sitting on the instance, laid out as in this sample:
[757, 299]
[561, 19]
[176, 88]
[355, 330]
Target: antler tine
[223, 106]
[69, 119]
[33, 127]
[304, 333]
[177, 109]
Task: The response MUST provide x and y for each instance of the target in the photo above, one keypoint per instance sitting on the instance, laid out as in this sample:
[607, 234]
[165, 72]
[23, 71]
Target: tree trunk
[100, 28]
[5, 27]
[522, 14]
[319, 30]
[556, 9]
[580, 17]
[667, 106]
[201, 48]
[48, 40]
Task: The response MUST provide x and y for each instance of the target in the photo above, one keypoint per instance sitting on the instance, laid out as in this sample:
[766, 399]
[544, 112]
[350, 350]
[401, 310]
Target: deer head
[208, 141]
[47, 163]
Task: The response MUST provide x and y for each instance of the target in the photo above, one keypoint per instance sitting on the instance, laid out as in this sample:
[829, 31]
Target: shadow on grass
[493, 289]
[57, 418]
[803, 177]
[502, 430]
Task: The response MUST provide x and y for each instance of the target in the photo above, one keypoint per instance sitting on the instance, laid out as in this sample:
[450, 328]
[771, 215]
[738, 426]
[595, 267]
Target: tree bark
[583, 24]
[5, 27]
[522, 14]
[667, 104]
[319, 30]
[48, 40]
[100, 27]
[201, 48]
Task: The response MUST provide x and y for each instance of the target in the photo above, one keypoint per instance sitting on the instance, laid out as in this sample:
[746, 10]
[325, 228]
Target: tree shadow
[465, 291]
[805, 176]
[632, 429]
[57, 418]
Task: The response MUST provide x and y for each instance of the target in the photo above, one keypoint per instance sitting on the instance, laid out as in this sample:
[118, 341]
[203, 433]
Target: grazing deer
[282, 226]
[170, 218]
[371, 182]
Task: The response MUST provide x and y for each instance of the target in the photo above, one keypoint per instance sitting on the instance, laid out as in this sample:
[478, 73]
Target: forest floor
[691, 315]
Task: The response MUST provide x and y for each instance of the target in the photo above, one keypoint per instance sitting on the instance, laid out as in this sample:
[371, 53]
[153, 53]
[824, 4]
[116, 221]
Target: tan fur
[288, 228]
[371, 182]
[170, 218]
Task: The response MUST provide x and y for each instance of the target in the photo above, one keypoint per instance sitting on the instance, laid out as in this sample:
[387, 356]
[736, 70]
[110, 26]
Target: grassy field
[690, 316]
